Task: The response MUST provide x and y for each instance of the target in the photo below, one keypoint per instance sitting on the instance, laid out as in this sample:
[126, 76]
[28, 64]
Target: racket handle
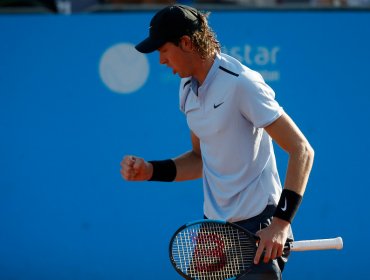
[318, 244]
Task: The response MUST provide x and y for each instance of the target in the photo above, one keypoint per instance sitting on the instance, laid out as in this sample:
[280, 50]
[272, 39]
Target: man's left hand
[272, 240]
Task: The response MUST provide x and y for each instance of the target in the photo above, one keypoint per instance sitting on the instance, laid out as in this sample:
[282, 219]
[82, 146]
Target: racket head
[212, 249]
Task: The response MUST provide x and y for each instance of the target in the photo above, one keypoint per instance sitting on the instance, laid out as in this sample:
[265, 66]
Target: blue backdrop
[75, 98]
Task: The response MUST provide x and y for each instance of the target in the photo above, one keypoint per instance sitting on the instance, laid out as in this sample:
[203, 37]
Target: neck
[202, 68]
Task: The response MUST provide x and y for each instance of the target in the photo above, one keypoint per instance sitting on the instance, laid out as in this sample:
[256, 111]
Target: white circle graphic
[123, 69]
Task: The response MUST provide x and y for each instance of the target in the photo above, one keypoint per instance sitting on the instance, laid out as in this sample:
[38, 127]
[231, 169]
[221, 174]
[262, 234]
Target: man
[233, 117]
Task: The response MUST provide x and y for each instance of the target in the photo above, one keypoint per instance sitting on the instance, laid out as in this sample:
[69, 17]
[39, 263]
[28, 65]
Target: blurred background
[75, 97]
[88, 6]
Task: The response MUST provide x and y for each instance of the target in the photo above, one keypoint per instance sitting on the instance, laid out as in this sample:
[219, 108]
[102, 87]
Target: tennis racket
[218, 250]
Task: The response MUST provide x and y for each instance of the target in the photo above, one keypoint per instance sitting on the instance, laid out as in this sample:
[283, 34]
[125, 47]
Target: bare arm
[288, 136]
[188, 165]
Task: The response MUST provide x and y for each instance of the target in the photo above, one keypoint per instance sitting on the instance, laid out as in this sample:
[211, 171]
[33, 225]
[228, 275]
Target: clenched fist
[136, 169]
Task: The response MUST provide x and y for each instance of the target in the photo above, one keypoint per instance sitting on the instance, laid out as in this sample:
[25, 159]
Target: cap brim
[149, 45]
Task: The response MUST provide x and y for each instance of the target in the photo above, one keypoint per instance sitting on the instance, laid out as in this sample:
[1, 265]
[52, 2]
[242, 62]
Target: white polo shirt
[228, 113]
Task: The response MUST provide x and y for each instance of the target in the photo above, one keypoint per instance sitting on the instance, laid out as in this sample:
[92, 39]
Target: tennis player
[233, 117]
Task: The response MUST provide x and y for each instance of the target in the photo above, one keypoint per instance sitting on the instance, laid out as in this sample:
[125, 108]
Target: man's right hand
[136, 169]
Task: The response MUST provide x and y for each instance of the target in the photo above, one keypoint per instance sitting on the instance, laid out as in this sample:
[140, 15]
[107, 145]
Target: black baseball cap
[168, 25]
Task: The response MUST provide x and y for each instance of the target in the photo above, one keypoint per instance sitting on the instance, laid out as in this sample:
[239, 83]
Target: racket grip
[318, 244]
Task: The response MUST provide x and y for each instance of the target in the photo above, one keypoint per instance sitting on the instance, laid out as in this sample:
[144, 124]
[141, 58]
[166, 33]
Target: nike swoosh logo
[218, 105]
[285, 206]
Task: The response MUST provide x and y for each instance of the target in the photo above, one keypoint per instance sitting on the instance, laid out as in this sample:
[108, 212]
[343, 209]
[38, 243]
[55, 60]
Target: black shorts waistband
[267, 212]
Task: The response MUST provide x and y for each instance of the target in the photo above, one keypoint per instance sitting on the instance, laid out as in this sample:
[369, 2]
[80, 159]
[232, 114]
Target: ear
[185, 43]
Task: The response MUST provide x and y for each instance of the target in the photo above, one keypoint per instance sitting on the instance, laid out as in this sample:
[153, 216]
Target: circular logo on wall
[123, 69]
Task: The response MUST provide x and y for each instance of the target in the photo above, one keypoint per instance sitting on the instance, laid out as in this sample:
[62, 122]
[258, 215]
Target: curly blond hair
[203, 39]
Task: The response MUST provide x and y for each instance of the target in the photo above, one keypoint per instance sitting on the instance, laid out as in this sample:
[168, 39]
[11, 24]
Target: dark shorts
[264, 271]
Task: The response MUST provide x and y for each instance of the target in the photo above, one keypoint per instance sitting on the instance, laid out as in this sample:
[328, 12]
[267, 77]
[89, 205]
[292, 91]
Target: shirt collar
[211, 73]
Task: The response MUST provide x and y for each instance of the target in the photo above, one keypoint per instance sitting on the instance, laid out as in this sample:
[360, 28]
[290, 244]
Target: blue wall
[73, 103]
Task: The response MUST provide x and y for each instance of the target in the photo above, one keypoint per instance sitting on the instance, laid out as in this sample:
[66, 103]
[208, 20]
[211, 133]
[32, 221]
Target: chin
[181, 75]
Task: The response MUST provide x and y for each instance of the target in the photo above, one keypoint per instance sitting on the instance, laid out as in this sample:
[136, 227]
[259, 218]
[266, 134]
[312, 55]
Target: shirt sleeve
[257, 103]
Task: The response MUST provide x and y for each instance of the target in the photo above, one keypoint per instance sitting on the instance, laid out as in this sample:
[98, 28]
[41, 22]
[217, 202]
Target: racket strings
[213, 251]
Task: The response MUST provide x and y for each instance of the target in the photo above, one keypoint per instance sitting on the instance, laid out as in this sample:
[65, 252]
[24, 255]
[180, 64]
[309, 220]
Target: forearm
[299, 168]
[189, 166]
